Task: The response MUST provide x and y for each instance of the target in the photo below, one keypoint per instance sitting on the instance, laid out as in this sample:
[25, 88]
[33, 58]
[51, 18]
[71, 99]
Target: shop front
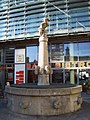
[70, 63]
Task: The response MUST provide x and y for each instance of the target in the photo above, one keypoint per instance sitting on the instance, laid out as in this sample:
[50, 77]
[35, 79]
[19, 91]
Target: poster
[57, 52]
[20, 56]
[19, 74]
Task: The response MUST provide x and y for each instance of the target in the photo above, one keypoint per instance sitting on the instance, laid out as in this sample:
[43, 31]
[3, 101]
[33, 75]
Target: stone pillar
[43, 52]
[43, 79]
[43, 69]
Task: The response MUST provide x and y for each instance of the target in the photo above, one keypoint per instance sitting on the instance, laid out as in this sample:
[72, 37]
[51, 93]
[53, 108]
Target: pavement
[82, 114]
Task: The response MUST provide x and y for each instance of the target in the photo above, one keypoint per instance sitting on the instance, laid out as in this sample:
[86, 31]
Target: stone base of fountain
[43, 100]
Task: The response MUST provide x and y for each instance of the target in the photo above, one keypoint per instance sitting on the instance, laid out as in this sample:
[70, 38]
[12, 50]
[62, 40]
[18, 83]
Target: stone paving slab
[82, 114]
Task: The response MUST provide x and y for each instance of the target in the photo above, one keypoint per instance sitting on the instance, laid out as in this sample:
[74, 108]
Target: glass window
[9, 55]
[84, 51]
[1, 56]
[57, 76]
[31, 61]
[9, 72]
[71, 52]
[32, 78]
[57, 52]
[32, 53]
[71, 76]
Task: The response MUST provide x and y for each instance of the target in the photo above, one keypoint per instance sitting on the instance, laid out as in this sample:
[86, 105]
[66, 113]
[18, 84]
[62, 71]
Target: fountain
[43, 98]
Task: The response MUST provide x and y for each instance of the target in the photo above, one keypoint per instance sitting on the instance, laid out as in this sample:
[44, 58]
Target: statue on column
[42, 27]
[43, 69]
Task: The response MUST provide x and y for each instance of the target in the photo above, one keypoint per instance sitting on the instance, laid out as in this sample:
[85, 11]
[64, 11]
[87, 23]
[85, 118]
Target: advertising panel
[57, 52]
[20, 56]
[19, 74]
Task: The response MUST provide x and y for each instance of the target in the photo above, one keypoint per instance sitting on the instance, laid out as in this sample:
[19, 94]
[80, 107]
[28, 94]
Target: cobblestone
[82, 114]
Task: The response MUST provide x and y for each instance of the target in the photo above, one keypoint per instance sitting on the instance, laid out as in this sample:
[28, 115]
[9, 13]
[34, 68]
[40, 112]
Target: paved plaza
[83, 114]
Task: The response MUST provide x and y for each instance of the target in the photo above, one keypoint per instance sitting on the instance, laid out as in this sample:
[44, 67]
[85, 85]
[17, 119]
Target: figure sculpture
[42, 27]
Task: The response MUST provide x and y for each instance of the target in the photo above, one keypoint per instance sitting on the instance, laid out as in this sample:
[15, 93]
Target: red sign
[19, 77]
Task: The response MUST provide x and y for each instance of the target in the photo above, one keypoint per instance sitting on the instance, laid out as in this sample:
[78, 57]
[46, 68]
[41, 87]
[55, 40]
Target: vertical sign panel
[20, 56]
[19, 74]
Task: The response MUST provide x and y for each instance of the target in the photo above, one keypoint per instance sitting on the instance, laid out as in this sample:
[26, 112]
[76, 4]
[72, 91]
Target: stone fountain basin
[43, 100]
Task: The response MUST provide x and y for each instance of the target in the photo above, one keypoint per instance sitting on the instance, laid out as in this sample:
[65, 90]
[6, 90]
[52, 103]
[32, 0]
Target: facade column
[72, 79]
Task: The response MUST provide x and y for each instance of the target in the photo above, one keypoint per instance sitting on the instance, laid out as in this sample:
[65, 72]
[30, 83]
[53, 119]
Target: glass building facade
[69, 49]
[67, 60]
[20, 19]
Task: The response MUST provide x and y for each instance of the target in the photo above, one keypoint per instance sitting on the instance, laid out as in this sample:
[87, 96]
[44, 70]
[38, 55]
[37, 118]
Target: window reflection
[77, 51]
[57, 52]
[1, 56]
[71, 52]
[57, 76]
[71, 76]
[84, 51]
[76, 55]
[32, 78]
[32, 53]
[31, 61]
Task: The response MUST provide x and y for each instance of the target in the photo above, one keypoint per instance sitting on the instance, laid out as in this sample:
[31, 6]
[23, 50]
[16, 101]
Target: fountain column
[43, 78]
[43, 69]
